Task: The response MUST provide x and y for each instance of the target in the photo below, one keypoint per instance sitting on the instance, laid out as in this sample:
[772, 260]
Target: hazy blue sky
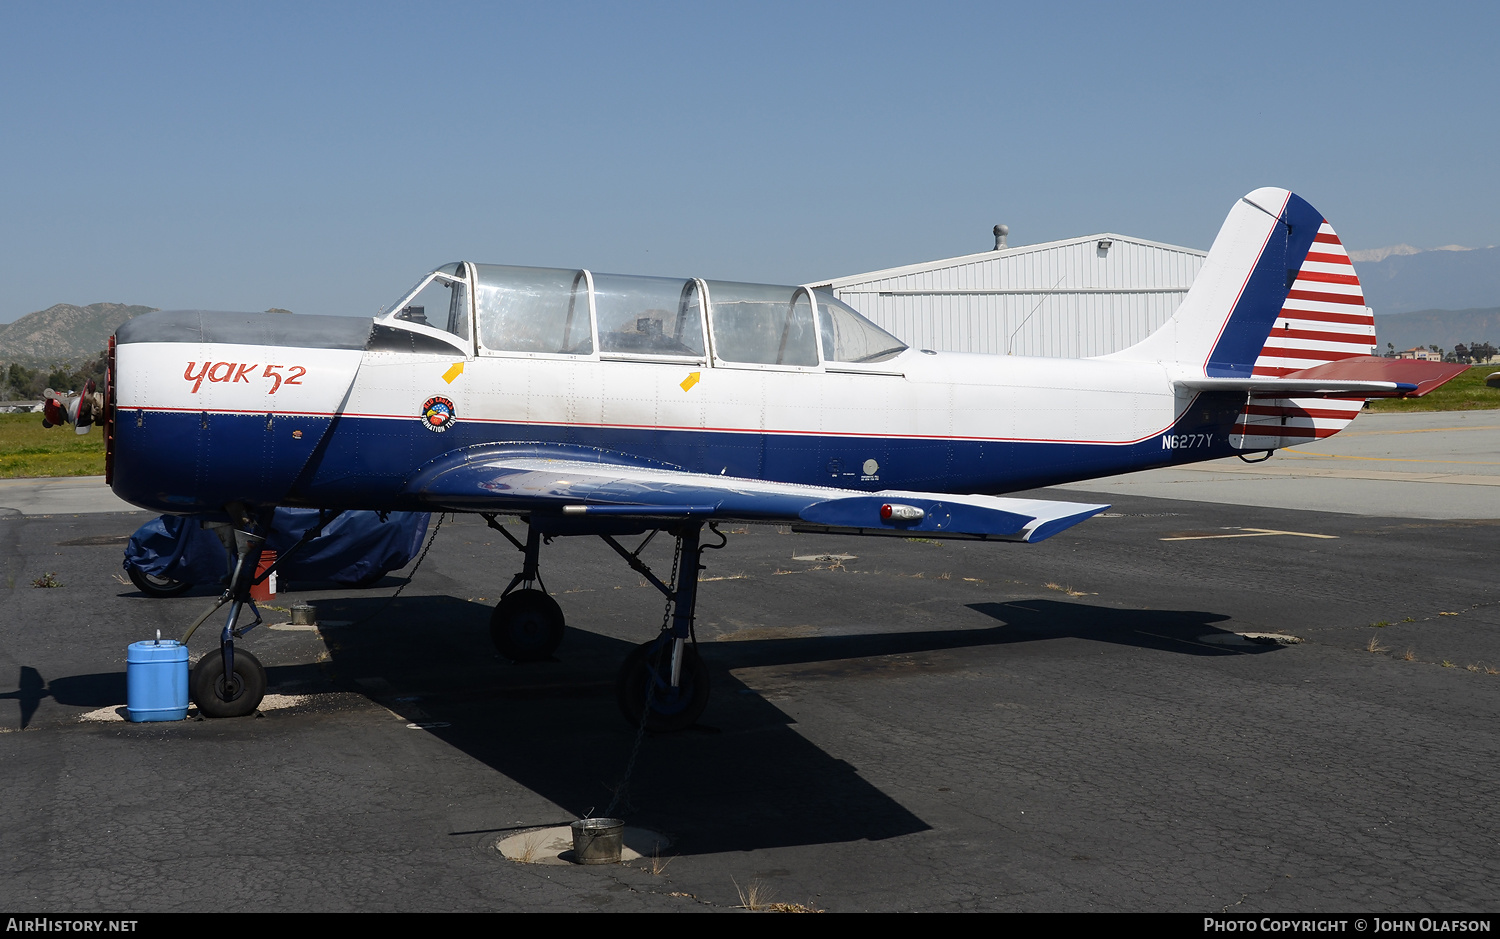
[320, 157]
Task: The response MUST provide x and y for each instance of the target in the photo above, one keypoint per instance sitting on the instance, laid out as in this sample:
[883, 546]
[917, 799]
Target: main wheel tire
[672, 709]
[153, 586]
[211, 693]
[527, 626]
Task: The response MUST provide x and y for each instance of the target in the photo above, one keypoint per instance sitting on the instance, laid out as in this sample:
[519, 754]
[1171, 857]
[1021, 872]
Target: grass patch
[1467, 392]
[27, 449]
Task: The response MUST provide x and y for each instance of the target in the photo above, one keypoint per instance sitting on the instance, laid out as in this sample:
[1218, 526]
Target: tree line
[19, 383]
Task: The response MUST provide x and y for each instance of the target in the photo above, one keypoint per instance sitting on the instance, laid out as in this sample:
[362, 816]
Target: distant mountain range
[1403, 279]
[1443, 328]
[63, 333]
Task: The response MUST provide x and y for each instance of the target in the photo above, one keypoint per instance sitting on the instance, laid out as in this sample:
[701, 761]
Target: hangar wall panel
[1066, 299]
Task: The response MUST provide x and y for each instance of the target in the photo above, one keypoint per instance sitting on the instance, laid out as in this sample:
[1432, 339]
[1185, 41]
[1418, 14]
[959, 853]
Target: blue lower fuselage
[196, 462]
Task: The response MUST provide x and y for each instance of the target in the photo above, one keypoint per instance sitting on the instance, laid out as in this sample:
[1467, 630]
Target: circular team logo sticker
[438, 414]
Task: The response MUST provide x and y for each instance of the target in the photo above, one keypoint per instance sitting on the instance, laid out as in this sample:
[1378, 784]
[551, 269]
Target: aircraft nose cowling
[220, 407]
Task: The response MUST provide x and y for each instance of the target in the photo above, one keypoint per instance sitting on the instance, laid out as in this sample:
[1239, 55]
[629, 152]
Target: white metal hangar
[1066, 299]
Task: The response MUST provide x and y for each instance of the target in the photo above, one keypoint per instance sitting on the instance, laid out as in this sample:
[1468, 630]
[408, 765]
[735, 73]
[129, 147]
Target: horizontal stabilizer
[1423, 376]
[1292, 388]
[1362, 376]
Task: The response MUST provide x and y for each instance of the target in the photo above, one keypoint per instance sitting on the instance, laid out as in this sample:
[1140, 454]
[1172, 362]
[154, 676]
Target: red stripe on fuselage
[728, 430]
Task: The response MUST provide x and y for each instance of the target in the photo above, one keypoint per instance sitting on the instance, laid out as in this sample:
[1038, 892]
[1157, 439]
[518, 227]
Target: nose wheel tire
[527, 626]
[216, 697]
[153, 586]
[672, 709]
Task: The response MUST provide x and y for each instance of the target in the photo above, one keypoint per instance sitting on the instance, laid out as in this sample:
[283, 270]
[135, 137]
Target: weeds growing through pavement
[529, 847]
[754, 897]
[659, 863]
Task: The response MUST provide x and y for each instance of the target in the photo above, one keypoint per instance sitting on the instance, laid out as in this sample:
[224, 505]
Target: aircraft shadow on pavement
[747, 780]
[1180, 631]
[743, 779]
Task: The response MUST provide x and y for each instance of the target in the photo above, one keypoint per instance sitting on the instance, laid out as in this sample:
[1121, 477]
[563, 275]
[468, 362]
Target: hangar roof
[1013, 252]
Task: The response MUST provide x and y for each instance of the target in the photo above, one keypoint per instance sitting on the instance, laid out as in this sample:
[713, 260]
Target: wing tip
[1053, 526]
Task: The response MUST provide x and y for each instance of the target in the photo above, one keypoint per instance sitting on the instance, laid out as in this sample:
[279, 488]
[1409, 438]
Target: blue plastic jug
[156, 681]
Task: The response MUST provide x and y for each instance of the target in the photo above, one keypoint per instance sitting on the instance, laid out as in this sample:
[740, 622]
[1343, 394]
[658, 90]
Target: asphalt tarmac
[1075, 725]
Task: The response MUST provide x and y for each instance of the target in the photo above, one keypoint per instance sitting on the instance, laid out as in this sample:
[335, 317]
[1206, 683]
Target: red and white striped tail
[1324, 319]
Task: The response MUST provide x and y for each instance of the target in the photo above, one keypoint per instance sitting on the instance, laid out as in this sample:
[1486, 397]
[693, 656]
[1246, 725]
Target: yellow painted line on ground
[1419, 430]
[1328, 472]
[1308, 454]
[1248, 533]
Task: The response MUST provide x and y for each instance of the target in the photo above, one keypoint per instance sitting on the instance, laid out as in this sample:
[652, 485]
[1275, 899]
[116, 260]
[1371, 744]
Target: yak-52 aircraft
[599, 404]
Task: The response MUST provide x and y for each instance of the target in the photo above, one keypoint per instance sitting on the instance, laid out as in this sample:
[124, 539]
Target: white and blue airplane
[609, 405]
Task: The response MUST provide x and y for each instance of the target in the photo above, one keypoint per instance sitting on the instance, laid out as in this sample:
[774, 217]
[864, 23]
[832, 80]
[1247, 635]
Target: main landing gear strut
[527, 624]
[663, 682]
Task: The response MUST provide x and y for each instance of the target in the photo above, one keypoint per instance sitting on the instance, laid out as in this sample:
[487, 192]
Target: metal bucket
[598, 840]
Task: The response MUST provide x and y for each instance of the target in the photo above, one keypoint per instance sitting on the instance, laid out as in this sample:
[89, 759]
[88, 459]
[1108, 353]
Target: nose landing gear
[233, 682]
[237, 696]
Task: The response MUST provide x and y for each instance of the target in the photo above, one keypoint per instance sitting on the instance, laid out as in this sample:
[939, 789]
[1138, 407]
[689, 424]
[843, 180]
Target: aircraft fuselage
[271, 409]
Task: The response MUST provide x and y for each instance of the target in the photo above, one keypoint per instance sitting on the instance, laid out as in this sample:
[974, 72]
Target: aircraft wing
[574, 486]
[1360, 376]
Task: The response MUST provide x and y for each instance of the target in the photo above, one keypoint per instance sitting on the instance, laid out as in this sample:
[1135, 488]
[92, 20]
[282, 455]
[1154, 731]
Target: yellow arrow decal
[454, 372]
[691, 380]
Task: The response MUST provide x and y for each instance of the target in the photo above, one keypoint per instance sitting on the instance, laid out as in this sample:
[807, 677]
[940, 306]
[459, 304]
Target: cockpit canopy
[559, 312]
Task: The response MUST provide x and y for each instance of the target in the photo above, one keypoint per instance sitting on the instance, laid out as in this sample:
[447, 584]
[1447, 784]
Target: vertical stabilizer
[1277, 294]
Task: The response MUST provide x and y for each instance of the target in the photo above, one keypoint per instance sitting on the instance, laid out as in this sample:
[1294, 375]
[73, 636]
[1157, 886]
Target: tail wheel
[217, 697]
[671, 709]
[527, 626]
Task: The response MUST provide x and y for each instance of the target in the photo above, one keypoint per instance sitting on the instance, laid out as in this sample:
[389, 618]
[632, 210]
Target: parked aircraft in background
[599, 404]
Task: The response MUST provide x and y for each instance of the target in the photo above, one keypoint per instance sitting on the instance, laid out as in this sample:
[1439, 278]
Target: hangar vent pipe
[1000, 232]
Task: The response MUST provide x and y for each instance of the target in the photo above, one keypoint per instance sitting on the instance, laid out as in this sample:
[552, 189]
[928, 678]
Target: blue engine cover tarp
[355, 548]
